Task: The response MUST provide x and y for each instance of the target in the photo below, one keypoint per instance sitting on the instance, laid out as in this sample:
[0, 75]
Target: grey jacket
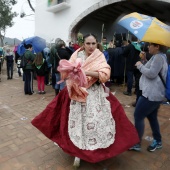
[150, 82]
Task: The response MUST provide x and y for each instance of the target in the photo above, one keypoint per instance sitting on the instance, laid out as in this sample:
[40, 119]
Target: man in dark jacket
[28, 70]
[131, 53]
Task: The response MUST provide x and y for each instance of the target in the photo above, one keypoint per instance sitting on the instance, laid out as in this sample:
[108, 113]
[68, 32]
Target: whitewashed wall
[53, 25]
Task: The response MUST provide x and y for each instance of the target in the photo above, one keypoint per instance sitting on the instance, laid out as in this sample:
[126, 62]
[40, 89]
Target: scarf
[96, 62]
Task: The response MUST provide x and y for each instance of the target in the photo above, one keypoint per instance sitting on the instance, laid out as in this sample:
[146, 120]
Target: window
[55, 2]
[57, 5]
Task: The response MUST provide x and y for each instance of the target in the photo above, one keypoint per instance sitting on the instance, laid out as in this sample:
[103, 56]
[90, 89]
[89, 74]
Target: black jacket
[132, 56]
[42, 70]
[62, 54]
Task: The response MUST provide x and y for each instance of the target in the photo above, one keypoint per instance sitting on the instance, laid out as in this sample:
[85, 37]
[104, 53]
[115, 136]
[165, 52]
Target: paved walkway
[23, 147]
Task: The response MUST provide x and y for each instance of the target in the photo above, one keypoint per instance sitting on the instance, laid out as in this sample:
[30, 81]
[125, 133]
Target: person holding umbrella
[28, 69]
[153, 93]
[154, 72]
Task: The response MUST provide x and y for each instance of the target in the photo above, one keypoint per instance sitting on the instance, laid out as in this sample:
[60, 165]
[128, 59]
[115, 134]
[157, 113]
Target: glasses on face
[88, 43]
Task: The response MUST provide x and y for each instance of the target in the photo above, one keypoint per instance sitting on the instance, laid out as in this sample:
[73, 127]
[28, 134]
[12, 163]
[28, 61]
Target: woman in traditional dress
[84, 119]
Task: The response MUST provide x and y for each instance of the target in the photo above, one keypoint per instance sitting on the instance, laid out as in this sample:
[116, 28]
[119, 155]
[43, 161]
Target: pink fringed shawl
[96, 62]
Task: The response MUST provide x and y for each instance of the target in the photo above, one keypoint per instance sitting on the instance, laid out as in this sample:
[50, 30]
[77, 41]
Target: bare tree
[29, 2]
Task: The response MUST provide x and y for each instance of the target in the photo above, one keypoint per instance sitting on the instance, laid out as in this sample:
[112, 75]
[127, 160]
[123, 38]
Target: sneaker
[127, 93]
[39, 92]
[136, 147]
[155, 145]
[43, 92]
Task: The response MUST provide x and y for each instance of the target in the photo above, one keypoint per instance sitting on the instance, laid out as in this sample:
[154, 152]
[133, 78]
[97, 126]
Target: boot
[56, 92]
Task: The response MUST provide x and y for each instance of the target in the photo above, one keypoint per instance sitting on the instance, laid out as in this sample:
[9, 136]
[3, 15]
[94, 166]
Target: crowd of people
[85, 119]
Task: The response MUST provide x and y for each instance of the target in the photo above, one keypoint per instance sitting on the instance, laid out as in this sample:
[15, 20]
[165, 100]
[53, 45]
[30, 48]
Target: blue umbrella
[38, 44]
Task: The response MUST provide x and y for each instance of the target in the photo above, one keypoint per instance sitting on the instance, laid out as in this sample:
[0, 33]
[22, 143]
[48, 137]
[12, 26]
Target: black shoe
[43, 92]
[8, 78]
[134, 104]
[127, 93]
[56, 92]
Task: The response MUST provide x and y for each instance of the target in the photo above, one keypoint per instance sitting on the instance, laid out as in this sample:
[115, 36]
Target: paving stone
[23, 147]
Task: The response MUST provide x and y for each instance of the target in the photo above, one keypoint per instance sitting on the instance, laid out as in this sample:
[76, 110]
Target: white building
[65, 18]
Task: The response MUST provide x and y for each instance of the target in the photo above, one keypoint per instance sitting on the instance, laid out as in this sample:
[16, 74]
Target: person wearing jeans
[150, 113]
[153, 93]
[61, 53]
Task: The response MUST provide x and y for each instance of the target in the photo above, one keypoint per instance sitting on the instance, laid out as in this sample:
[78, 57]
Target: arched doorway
[107, 13]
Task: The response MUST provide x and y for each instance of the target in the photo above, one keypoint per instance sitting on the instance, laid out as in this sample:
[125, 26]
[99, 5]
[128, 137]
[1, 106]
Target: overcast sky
[23, 27]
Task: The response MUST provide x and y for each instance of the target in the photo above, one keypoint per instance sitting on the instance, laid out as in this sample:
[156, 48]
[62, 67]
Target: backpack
[167, 84]
[22, 62]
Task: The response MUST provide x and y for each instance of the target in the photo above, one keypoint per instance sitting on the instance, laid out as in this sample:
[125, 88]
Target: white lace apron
[91, 125]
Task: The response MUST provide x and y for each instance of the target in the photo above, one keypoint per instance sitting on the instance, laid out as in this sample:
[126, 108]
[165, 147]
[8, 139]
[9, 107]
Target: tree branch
[31, 5]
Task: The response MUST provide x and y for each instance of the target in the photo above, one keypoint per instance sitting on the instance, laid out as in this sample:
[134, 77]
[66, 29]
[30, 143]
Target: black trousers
[28, 81]
[10, 69]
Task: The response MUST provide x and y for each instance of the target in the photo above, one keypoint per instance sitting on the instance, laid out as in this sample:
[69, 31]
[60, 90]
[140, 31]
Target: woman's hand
[92, 74]
[138, 63]
[142, 55]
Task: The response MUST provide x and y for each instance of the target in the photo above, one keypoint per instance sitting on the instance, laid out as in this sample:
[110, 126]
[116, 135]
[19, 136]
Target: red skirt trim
[53, 123]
